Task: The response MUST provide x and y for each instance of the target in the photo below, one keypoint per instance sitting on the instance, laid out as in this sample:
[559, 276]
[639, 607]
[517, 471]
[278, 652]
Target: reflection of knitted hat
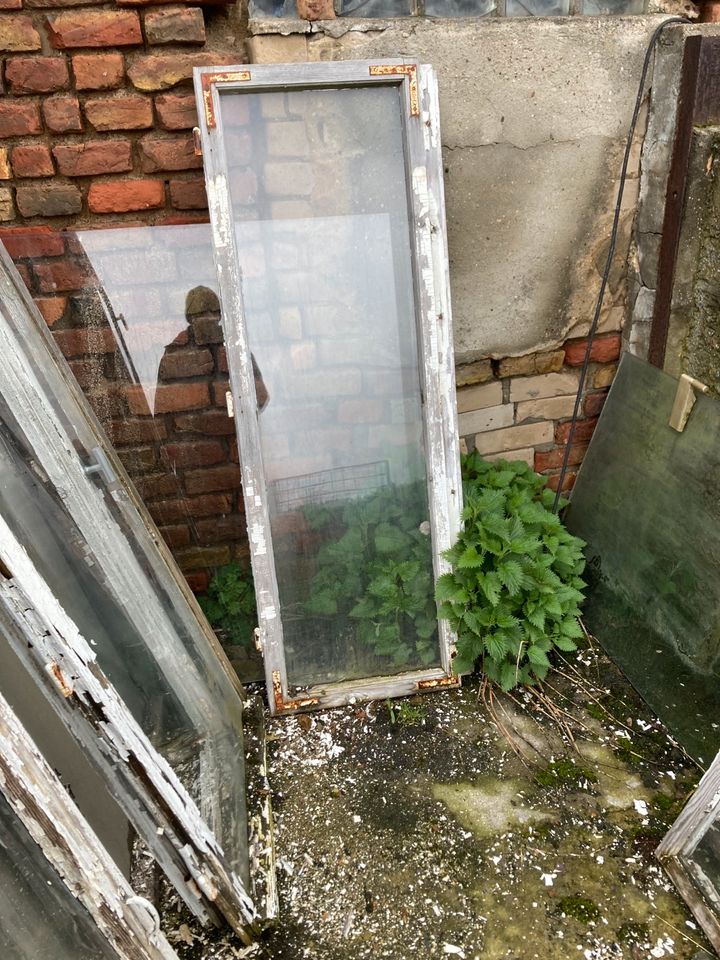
[201, 300]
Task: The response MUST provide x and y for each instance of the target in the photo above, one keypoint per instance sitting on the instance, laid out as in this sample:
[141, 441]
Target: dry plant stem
[554, 712]
[567, 713]
[489, 700]
[681, 932]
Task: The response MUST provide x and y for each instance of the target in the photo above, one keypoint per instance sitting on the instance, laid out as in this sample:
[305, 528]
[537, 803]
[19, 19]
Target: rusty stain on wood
[208, 80]
[439, 683]
[289, 706]
[57, 674]
[408, 70]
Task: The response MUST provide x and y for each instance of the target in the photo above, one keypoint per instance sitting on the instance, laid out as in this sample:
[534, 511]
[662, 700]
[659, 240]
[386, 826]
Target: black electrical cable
[611, 253]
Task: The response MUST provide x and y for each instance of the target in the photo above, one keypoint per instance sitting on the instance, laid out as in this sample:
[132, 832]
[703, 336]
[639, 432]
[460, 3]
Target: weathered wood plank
[676, 851]
[67, 841]
[63, 664]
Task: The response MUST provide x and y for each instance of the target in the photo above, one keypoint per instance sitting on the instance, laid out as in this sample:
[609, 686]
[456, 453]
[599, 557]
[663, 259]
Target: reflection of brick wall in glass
[323, 241]
[138, 320]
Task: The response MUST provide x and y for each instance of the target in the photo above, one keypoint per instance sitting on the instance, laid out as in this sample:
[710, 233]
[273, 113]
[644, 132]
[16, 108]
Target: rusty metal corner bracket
[288, 706]
[206, 82]
[408, 70]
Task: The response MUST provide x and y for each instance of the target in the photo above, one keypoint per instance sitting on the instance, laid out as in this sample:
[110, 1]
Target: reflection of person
[203, 302]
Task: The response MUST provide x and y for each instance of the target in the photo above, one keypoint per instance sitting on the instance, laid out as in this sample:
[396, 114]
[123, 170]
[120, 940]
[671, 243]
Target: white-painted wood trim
[434, 324]
[677, 849]
[72, 849]
[147, 789]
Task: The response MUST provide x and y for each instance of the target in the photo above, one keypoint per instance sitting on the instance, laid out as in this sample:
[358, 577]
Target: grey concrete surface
[534, 115]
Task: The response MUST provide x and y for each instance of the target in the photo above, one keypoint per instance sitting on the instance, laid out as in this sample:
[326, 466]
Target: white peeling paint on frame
[435, 356]
[147, 789]
[67, 841]
[677, 853]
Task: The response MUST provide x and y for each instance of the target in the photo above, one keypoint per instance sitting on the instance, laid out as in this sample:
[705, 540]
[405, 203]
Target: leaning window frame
[63, 664]
[425, 190]
[677, 847]
[128, 923]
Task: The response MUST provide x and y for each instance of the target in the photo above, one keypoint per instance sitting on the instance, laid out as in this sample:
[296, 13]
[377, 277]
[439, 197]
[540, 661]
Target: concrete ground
[464, 825]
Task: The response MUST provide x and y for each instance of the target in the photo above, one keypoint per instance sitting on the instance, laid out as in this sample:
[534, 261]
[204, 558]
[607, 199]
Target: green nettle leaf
[229, 604]
[571, 628]
[508, 676]
[389, 539]
[322, 604]
[515, 585]
[470, 558]
[511, 575]
[496, 645]
[448, 590]
[491, 586]
[536, 656]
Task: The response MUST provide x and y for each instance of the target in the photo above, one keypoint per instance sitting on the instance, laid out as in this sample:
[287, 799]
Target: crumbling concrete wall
[534, 115]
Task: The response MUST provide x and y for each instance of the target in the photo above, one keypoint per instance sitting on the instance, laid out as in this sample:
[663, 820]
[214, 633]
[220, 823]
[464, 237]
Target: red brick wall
[98, 109]
[96, 131]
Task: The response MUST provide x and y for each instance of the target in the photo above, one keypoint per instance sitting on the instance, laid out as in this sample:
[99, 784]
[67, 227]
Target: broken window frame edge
[678, 845]
[433, 321]
[59, 659]
[128, 922]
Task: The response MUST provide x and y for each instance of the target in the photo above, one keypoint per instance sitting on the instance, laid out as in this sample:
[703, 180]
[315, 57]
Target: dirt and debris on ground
[473, 825]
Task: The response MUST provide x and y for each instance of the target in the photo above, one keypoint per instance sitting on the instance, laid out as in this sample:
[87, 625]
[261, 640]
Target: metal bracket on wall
[685, 398]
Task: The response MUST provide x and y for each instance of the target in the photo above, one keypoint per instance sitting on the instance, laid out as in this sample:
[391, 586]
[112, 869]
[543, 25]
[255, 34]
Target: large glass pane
[66, 498]
[135, 312]
[321, 211]
[647, 501]
[706, 862]
[39, 918]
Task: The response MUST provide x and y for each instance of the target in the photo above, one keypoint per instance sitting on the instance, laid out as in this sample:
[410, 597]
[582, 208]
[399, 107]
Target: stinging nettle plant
[515, 589]
[229, 604]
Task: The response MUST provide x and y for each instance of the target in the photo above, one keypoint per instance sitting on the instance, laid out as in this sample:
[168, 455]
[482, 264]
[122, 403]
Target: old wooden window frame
[40, 802]
[62, 662]
[425, 191]
[675, 853]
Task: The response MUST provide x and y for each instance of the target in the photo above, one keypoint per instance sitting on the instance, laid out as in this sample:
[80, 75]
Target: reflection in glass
[459, 8]
[39, 918]
[63, 494]
[140, 327]
[647, 502]
[323, 235]
[537, 8]
[593, 8]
